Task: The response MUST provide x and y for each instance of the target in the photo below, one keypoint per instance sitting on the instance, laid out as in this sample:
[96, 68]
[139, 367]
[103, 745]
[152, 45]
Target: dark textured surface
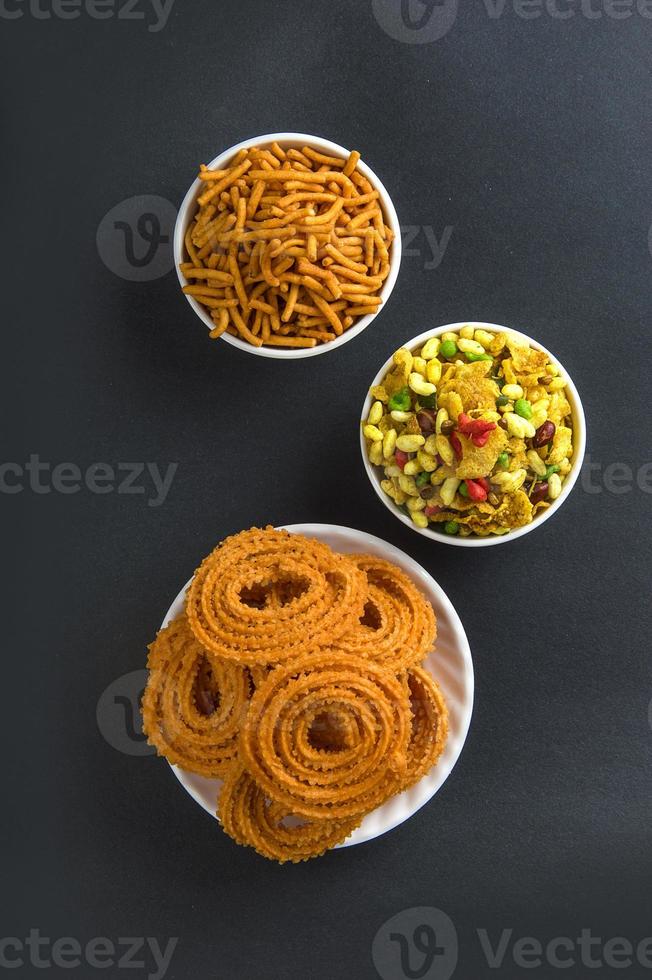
[531, 139]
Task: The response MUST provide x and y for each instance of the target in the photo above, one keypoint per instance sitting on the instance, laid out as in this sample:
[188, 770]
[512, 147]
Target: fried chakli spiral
[253, 820]
[429, 725]
[194, 703]
[398, 627]
[258, 674]
[295, 675]
[265, 595]
[362, 709]
[384, 633]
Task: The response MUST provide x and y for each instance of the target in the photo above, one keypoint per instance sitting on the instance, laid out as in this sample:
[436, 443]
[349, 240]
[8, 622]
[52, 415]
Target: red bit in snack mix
[473, 431]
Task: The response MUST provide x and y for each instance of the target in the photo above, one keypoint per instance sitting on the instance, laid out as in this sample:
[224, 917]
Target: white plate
[450, 664]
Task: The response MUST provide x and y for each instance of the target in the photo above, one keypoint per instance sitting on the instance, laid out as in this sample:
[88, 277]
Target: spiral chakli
[294, 674]
[258, 674]
[193, 703]
[398, 626]
[429, 725]
[265, 595]
[251, 819]
[326, 736]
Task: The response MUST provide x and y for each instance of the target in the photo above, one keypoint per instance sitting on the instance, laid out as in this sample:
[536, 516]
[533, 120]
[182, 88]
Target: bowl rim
[579, 428]
[319, 143]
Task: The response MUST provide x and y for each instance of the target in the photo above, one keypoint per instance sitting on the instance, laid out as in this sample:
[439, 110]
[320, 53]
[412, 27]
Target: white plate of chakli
[449, 663]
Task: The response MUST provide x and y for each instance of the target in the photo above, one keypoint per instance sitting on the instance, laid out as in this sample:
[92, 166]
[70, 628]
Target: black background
[531, 138]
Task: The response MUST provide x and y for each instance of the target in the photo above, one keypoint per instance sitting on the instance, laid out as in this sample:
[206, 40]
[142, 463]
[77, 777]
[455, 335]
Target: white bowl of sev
[277, 346]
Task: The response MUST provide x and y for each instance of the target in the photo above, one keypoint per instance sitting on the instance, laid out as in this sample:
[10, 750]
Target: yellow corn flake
[404, 359]
[441, 473]
[536, 392]
[497, 344]
[508, 371]
[518, 453]
[397, 378]
[484, 413]
[480, 460]
[472, 384]
[526, 360]
[379, 392]
[540, 506]
[529, 380]
[483, 519]
[479, 505]
[484, 530]
[386, 423]
[558, 408]
[412, 427]
[451, 515]
[514, 511]
[562, 444]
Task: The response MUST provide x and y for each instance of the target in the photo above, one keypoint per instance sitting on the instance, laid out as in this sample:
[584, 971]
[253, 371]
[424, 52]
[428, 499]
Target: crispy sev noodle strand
[285, 218]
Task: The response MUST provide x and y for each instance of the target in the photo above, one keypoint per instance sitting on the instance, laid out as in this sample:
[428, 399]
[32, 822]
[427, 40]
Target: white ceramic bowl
[450, 664]
[187, 212]
[375, 473]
